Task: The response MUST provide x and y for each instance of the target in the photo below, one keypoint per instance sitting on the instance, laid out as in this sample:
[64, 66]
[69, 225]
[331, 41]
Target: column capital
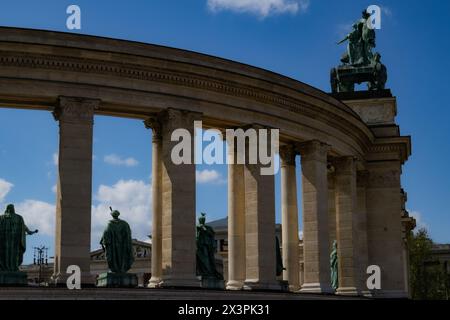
[287, 155]
[75, 109]
[313, 150]
[178, 118]
[154, 123]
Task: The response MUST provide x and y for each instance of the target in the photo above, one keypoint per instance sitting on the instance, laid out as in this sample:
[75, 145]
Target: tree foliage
[428, 278]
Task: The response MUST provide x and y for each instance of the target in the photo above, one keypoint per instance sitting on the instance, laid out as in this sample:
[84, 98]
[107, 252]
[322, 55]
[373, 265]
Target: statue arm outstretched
[29, 232]
[343, 40]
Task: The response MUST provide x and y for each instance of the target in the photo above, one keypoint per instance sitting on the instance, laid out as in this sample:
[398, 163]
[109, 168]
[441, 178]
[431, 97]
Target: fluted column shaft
[236, 223]
[155, 125]
[289, 217]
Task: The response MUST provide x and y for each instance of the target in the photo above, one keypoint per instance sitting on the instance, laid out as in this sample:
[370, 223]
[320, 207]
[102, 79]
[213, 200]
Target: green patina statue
[206, 248]
[334, 266]
[117, 244]
[359, 63]
[12, 240]
[280, 267]
[13, 233]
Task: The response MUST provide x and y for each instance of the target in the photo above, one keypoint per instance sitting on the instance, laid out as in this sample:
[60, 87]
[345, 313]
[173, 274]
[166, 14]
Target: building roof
[221, 224]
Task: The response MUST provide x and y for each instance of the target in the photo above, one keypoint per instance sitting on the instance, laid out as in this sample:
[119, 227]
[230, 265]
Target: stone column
[289, 217]
[178, 197]
[331, 208]
[74, 188]
[315, 217]
[362, 250]
[384, 210]
[345, 188]
[236, 222]
[155, 125]
[259, 228]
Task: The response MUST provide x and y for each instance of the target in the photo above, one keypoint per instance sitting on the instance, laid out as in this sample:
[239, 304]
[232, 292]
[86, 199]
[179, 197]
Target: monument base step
[212, 283]
[117, 280]
[17, 278]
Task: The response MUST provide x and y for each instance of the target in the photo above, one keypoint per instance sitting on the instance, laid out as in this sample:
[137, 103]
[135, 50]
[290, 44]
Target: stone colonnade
[340, 202]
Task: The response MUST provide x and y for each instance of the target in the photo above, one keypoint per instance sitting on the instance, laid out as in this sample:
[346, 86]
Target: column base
[155, 282]
[316, 288]
[347, 291]
[117, 280]
[235, 285]
[293, 288]
[255, 284]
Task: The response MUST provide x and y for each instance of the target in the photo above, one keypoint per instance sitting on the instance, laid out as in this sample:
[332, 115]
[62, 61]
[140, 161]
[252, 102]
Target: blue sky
[294, 38]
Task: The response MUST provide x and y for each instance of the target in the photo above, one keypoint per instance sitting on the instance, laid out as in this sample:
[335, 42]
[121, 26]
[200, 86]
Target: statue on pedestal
[359, 63]
[118, 246]
[13, 233]
[206, 261]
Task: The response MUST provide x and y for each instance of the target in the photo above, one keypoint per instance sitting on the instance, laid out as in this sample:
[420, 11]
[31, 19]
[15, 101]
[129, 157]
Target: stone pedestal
[13, 279]
[212, 283]
[117, 280]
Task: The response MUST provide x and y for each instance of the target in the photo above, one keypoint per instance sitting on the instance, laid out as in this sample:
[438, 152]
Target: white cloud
[38, 215]
[132, 198]
[55, 159]
[54, 188]
[419, 220]
[300, 234]
[116, 160]
[5, 187]
[262, 8]
[209, 176]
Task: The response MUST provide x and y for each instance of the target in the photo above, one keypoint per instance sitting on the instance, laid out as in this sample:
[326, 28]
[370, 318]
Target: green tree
[427, 276]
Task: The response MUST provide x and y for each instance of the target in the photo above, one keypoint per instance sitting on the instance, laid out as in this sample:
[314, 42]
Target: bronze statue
[354, 54]
[359, 63]
[206, 248]
[13, 233]
[334, 266]
[117, 244]
[279, 258]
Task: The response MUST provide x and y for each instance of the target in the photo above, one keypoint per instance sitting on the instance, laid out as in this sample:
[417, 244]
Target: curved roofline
[322, 95]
